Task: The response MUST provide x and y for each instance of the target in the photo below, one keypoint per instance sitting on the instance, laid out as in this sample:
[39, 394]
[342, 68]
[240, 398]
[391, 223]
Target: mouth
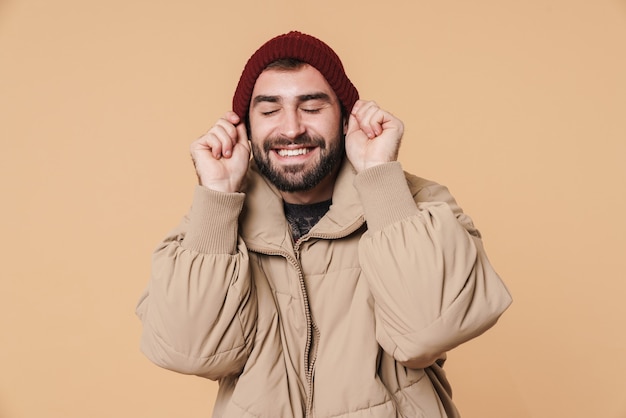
[292, 152]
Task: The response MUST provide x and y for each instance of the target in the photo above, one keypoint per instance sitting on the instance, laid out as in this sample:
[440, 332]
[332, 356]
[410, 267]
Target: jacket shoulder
[424, 190]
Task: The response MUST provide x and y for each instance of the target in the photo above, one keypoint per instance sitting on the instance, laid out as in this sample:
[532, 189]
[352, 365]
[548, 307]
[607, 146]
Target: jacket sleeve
[199, 309]
[432, 283]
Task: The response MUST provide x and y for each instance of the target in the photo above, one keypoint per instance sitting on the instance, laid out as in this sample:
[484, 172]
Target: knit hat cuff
[304, 48]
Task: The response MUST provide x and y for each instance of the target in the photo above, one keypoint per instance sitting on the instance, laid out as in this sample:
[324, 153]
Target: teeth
[292, 152]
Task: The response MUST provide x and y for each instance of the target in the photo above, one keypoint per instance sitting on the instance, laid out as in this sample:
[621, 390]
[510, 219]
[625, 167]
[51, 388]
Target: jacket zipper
[309, 322]
[309, 362]
[312, 330]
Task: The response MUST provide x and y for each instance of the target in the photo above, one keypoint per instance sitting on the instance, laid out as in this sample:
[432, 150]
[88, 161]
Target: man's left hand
[373, 136]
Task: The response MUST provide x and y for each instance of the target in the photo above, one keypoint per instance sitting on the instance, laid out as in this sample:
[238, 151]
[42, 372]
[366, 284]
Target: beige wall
[518, 106]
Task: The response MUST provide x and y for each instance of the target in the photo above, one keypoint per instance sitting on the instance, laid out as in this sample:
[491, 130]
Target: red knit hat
[302, 47]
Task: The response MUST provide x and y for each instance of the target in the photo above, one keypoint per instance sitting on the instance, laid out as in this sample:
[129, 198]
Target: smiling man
[317, 279]
[296, 130]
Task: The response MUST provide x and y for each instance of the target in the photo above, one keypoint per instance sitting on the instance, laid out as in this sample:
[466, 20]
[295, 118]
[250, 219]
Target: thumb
[242, 136]
[353, 125]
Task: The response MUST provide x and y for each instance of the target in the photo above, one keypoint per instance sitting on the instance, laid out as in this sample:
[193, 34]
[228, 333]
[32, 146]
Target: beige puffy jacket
[352, 321]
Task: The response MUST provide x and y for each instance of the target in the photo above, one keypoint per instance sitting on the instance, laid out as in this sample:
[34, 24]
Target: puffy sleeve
[198, 311]
[432, 283]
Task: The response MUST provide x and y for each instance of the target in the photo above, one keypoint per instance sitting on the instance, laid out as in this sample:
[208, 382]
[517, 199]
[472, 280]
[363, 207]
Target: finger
[357, 105]
[202, 148]
[370, 118]
[242, 136]
[353, 124]
[211, 143]
[361, 106]
[377, 118]
[227, 133]
[373, 119]
[214, 142]
[232, 117]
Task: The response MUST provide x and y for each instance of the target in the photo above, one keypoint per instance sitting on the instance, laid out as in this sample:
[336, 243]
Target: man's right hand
[221, 156]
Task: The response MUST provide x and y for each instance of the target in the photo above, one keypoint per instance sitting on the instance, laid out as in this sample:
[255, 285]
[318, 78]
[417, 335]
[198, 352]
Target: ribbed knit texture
[385, 195]
[299, 46]
[214, 216]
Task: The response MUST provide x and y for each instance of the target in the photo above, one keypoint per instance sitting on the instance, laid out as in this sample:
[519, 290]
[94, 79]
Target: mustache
[304, 140]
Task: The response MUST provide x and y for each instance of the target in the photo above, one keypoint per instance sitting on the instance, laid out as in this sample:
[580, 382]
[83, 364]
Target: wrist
[223, 186]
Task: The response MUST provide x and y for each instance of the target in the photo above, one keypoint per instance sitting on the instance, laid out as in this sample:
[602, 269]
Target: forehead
[288, 83]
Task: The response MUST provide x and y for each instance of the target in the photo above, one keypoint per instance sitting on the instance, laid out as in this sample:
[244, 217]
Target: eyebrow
[301, 99]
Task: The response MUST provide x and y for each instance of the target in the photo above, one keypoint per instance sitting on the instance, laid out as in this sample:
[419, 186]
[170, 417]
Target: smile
[293, 152]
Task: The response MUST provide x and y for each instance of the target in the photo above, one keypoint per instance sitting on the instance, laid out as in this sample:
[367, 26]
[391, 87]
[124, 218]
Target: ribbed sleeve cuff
[385, 195]
[213, 221]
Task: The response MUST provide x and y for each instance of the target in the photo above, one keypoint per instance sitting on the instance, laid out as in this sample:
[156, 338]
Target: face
[296, 129]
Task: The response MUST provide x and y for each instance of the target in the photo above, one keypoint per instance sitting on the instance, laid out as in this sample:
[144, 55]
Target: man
[318, 279]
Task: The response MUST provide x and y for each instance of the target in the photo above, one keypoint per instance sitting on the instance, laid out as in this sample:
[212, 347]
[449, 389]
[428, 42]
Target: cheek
[259, 130]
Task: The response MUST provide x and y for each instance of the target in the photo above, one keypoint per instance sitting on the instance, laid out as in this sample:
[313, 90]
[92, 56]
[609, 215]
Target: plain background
[518, 106]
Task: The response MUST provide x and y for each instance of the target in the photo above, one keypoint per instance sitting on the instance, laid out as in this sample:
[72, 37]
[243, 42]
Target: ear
[345, 125]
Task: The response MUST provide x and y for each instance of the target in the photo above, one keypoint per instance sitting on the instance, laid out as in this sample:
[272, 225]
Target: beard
[299, 177]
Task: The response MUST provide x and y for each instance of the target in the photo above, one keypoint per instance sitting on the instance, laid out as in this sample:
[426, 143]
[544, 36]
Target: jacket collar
[263, 225]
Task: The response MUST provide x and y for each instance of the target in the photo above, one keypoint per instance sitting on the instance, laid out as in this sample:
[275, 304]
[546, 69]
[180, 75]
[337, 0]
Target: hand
[221, 156]
[373, 136]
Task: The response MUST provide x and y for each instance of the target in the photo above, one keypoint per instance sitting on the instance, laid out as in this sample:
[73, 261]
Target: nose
[291, 124]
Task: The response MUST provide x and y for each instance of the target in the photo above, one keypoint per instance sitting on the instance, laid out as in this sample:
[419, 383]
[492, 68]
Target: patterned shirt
[302, 218]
